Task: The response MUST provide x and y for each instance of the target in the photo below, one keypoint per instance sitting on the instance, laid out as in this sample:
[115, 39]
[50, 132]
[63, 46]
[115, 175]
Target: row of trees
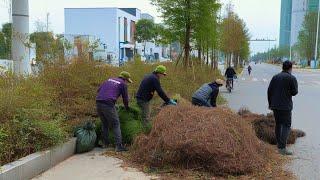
[307, 38]
[274, 54]
[197, 26]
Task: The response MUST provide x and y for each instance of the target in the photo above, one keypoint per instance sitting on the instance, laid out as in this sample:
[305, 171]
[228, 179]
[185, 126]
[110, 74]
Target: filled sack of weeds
[86, 137]
[130, 124]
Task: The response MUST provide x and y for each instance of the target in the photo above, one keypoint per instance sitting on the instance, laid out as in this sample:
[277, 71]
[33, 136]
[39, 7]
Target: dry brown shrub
[214, 140]
[264, 127]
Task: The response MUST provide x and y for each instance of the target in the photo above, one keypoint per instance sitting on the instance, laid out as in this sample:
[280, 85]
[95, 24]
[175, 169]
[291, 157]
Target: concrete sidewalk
[93, 166]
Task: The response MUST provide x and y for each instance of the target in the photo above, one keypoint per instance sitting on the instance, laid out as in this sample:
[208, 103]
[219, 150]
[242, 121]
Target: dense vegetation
[38, 112]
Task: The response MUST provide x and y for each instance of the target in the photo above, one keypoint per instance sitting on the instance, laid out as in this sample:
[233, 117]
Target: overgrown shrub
[23, 135]
[130, 124]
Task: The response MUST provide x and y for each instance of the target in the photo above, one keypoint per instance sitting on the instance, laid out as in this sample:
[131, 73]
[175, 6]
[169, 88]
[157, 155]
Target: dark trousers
[110, 119]
[198, 102]
[145, 111]
[283, 127]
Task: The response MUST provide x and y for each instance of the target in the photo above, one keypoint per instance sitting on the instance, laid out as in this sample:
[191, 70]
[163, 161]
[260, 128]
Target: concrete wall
[35, 164]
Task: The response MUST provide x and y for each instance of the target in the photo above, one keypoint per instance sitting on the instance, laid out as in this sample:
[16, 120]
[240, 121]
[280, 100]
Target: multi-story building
[114, 27]
[292, 18]
[285, 23]
[299, 9]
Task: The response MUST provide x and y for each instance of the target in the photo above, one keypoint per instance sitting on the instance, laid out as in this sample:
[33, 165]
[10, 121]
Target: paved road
[251, 92]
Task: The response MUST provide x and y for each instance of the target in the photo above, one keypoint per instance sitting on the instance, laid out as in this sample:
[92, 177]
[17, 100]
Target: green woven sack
[86, 138]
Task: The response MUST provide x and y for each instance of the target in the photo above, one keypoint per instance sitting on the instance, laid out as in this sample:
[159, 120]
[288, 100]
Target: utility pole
[317, 36]
[48, 14]
[20, 25]
[10, 10]
[290, 49]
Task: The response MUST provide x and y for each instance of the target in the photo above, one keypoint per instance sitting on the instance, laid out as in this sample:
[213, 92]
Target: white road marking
[243, 79]
[254, 79]
[302, 82]
[265, 80]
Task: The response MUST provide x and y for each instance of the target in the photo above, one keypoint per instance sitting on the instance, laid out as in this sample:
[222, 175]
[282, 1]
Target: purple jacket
[111, 89]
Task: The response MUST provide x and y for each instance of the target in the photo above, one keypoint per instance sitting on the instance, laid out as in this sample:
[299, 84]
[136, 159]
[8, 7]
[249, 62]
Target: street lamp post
[317, 36]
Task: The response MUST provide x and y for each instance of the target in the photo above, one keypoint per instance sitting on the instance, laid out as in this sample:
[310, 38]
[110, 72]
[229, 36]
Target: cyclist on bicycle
[230, 74]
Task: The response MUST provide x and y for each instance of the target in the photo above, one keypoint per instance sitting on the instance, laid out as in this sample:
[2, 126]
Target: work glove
[172, 102]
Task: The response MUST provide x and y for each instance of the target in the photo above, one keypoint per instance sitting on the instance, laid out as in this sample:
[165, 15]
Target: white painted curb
[37, 163]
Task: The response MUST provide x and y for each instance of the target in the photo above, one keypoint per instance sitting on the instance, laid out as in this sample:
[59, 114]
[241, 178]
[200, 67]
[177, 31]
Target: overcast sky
[261, 16]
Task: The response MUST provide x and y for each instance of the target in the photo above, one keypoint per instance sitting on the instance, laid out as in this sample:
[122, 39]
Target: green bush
[130, 124]
[24, 135]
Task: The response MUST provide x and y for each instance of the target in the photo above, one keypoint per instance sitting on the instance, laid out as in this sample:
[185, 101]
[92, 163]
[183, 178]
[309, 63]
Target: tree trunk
[144, 49]
[188, 35]
[207, 55]
[212, 58]
[199, 53]
[216, 59]
[170, 52]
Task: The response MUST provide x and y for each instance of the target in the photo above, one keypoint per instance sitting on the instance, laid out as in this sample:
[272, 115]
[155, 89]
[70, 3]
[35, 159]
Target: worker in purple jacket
[108, 94]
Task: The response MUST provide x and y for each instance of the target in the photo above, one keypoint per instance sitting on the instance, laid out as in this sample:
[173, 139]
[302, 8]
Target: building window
[125, 29]
[132, 31]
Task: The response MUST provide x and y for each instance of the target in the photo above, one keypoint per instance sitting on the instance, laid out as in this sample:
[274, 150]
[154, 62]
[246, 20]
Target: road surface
[251, 92]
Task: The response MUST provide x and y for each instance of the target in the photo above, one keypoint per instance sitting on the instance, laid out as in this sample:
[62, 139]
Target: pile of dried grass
[214, 140]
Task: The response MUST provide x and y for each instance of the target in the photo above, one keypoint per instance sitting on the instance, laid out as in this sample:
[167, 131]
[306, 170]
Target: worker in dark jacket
[281, 89]
[148, 86]
[106, 99]
[207, 94]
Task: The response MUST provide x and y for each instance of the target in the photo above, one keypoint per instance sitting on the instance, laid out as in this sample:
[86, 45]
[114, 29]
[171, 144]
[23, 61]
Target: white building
[115, 28]
[152, 50]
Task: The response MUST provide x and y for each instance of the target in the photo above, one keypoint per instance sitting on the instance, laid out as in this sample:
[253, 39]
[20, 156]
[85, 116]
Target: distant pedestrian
[281, 89]
[207, 94]
[106, 99]
[249, 70]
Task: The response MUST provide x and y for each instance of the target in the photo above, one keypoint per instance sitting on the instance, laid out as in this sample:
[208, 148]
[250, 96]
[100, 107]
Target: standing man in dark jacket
[106, 99]
[281, 89]
[148, 86]
[207, 94]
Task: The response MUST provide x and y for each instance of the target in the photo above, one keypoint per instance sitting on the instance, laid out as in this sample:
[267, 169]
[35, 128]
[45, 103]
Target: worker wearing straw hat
[207, 94]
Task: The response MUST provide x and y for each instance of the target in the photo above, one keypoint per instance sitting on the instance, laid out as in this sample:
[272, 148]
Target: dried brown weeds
[214, 140]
